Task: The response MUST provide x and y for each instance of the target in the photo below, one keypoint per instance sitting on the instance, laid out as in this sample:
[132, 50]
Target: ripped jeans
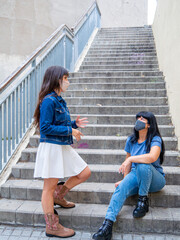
[142, 179]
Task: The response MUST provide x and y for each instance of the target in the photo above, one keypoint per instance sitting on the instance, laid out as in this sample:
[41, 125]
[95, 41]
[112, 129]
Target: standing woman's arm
[47, 112]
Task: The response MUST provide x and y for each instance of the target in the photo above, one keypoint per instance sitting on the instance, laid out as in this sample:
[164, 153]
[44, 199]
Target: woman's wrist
[129, 159]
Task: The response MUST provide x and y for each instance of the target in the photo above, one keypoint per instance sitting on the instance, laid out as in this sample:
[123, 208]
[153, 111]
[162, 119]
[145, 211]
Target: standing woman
[55, 157]
[142, 172]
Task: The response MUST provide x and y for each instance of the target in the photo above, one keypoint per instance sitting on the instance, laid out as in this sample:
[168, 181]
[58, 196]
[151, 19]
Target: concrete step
[126, 35]
[135, 57]
[144, 28]
[98, 42]
[121, 47]
[103, 156]
[121, 54]
[118, 74]
[116, 79]
[121, 130]
[106, 142]
[114, 41]
[119, 44]
[91, 216]
[114, 38]
[123, 51]
[76, 109]
[123, 62]
[92, 192]
[117, 93]
[100, 173]
[122, 29]
[116, 101]
[129, 67]
[120, 119]
[126, 29]
[119, 85]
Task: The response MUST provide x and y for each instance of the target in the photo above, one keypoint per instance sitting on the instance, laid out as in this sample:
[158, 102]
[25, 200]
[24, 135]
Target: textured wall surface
[166, 28]
[123, 13]
[24, 25]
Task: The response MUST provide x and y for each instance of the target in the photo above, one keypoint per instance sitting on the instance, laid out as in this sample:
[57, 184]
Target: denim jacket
[55, 122]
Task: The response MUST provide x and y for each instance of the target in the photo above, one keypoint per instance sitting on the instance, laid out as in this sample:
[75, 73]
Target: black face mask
[139, 125]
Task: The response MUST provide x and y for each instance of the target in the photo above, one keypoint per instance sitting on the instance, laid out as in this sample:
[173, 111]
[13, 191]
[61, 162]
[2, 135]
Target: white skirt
[57, 161]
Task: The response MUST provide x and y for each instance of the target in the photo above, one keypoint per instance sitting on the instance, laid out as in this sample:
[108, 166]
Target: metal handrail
[19, 93]
[84, 16]
[30, 58]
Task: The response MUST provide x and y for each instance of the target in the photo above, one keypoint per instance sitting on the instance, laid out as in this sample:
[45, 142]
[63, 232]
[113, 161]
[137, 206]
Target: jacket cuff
[74, 124]
[69, 130]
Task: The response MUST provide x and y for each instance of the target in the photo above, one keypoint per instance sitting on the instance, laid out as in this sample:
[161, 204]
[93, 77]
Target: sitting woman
[142, 172]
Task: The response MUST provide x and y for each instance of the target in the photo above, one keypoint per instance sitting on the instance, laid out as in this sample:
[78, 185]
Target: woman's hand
[125, 166]
[77, 134]
[117, 183]
[81, 122]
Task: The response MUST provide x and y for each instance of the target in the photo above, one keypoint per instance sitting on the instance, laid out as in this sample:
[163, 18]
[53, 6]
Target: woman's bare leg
[81, 177]
[47, 195]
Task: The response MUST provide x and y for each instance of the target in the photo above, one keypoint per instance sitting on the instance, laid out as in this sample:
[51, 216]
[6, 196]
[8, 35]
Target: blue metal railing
[19, 92]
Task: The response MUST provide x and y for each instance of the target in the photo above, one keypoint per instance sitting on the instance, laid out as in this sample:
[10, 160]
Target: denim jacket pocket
[60, 115]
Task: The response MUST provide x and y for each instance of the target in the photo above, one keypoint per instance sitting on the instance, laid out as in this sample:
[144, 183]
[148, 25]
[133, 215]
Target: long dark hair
[153, 131]
[50, 82]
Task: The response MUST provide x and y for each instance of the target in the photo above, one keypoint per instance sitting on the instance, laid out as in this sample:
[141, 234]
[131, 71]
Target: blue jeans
[142, 179]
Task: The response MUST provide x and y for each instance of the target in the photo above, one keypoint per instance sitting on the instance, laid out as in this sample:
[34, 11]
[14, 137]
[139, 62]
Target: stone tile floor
[27, 233]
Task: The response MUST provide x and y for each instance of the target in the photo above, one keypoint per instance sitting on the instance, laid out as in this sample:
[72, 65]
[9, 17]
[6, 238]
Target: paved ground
[27, 233]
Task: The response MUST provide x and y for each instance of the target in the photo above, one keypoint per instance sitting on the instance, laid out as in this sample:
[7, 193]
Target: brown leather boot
[59, 194]
[55, 229]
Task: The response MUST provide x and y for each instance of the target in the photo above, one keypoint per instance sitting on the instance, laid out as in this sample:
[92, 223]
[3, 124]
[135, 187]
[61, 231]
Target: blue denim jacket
[55, 122]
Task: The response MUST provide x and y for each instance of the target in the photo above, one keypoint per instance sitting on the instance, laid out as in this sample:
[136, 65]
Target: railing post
[73, 51]
[33, 63]
[64, 47]
[33, 88]
[5, 132]
[1, 137]
[72, 67]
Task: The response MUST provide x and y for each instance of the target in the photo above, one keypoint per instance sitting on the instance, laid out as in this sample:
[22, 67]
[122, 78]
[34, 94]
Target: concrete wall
[166, 28]
[25, 24]
[123, 13]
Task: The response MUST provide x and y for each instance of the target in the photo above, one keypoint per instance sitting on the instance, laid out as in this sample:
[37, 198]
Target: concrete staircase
[118, 77]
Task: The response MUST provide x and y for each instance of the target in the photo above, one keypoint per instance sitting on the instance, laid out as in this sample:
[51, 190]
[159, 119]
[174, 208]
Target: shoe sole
[51, 235]
[102, 238]
[62, 206]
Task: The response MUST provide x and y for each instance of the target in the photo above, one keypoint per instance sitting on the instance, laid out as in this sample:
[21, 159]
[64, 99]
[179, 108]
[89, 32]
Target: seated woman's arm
[147, 158]
[127, 170]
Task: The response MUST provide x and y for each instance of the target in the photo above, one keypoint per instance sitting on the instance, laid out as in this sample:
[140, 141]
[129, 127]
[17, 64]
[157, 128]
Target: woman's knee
[85, 174]
[50, 185]
[142, 167]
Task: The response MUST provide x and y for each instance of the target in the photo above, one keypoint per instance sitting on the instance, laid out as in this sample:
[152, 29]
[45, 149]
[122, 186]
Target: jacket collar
[59, 98]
